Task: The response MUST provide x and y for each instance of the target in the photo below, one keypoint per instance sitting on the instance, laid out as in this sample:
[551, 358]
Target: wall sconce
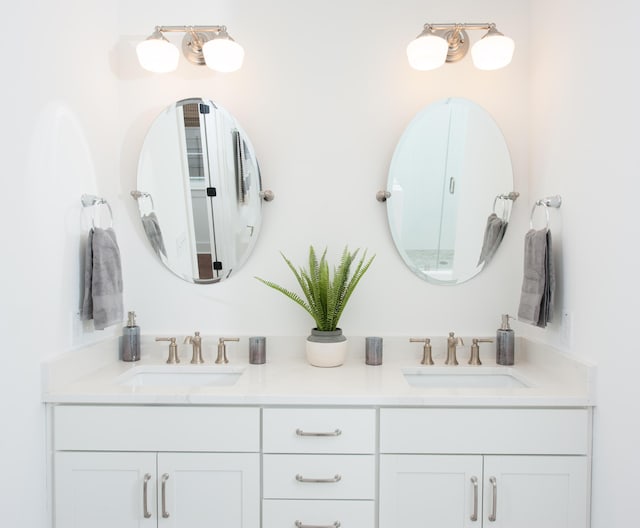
[440, 43]
[202, 45]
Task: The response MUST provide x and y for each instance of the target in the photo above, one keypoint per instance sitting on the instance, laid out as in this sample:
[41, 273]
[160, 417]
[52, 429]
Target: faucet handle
[196, 342]
[474, 359]
[426, 349]
[173, 349]
[452, 344]
[222, 349]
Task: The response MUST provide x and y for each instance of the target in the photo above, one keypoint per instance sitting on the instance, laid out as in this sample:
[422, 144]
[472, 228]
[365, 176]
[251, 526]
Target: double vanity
[286, 444]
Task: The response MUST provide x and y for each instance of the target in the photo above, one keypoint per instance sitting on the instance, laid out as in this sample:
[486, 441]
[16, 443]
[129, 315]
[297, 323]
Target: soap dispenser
[131, 339]
[505, 342]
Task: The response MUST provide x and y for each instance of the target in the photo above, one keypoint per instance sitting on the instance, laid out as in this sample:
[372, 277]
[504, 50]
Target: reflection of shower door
[202, 189]
[451, 187]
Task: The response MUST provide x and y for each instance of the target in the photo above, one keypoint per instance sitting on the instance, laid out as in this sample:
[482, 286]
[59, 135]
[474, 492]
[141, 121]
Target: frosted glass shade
[157, 55]
[492, 52]
[223, 54]
[427, 52]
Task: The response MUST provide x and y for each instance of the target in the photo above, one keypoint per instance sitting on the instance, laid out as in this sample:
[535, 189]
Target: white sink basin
[461, 377]
[181, 376]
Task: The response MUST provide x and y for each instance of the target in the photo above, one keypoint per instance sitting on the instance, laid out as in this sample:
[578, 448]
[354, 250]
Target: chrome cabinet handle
[494, 488]
[474, 483]
[145, 509]
[165, 513]
[300, 524]
[335, 478]
[300, 432]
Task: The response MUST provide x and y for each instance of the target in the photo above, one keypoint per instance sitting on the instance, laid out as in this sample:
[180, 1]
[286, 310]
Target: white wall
[585, 116]
[58, 139]
[324, 94]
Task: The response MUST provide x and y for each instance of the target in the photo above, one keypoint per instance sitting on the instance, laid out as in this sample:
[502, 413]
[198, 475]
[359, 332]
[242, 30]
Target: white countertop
[91, 375]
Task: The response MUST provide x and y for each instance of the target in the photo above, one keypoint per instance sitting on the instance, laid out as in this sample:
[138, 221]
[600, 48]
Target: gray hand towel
[151, 227]
[86, 311]
[538, 283]
[493, 235]
[546, 308]
[103, 279]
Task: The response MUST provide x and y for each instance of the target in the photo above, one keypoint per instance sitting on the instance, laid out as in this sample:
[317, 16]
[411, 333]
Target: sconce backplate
[193, 51]
[458, 46]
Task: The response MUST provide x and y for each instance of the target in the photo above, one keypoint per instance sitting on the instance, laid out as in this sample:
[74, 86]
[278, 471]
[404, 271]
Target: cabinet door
[535, 491]
[205, 490]
[105, 490]
[418, 491]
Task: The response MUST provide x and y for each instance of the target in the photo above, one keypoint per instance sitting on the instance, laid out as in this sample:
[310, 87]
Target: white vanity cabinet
[146, 466]
[462, 468]
[319, 467]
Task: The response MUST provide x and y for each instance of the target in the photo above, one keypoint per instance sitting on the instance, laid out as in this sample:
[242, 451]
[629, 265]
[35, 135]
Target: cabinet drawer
[156, 428]
[487, 431]
[339, 476]
[350, 514]
[319, 430]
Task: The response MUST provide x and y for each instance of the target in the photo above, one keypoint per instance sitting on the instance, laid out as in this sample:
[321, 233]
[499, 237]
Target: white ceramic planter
[326, 349]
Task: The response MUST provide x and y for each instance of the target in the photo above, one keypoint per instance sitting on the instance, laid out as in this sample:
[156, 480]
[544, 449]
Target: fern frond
[326, 296]
[292, 295]
[361, 269]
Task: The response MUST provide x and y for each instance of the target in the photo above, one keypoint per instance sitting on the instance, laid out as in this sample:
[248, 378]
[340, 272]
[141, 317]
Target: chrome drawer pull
[474, 483]
[335, 478]
[494, 504]
[300, 524]
[165, 513]
[145, 509]
[300, 432]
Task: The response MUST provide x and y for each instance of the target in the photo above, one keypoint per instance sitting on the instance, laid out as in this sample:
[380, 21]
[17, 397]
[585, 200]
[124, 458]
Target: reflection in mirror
[450, 185]
[199, 191]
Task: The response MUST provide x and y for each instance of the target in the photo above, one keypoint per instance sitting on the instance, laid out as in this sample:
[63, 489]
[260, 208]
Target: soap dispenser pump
[131, 339]
[505, 342]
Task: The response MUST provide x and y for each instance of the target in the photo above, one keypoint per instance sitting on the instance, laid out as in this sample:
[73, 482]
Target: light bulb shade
[427, 52]
[223, 54]
[493, 51]
[157, 55]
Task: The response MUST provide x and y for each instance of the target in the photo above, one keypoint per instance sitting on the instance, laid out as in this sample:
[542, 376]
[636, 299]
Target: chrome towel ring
[549, 201]
[89, 200]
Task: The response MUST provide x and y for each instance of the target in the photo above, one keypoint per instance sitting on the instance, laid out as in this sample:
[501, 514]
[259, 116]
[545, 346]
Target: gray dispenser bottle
[131, 339]
[505, 342]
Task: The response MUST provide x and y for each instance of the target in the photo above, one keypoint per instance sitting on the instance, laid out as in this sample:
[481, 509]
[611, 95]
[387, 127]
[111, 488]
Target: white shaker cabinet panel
[466, 491]
[204, 490]
[105, 490]
[318, 513]
[442, 491]
[163, 490]
[319, 477]
[319, 431]
[536, 491]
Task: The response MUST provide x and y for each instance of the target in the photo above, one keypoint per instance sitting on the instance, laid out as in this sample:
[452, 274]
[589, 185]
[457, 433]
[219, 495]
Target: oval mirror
[199, 191]
[451, 191]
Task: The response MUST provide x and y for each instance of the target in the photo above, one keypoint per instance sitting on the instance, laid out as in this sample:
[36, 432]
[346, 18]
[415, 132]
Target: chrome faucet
[452, 343]
[426, 349]
[222, 349]
[173, 349]
[196, 341]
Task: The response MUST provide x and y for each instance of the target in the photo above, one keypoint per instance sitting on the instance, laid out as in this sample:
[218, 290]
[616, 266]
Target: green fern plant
[325, 296]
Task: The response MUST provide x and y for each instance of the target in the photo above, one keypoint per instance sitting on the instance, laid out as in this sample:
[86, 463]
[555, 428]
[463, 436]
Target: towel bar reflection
[137, 195]
[507, 197]
[550, 201]
[90, 200]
